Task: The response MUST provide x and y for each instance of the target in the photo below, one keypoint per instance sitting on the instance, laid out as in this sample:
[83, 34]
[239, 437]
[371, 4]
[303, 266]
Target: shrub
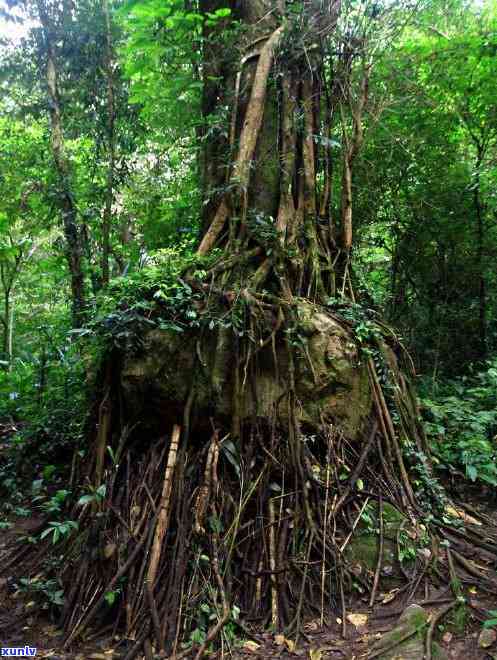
[461, 423]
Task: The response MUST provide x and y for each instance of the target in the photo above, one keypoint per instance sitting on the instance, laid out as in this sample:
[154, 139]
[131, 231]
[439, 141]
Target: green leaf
[101, 491]
[223, 12]
[472, 472]
[85, 499]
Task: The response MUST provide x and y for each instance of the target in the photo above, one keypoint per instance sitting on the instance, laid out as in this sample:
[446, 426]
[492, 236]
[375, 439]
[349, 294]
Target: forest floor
[22, 624]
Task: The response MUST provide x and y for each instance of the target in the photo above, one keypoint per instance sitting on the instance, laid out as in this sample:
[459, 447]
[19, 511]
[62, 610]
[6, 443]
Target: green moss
[396, 635]
[364, 549]
[391, 515]
[437, 652]
[418, 620]
[459, 618]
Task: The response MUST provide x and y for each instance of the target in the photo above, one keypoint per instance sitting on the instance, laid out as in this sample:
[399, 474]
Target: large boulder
[331, 378]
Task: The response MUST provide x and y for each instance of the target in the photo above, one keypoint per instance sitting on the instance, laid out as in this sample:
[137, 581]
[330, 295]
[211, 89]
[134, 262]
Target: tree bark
[272, 193]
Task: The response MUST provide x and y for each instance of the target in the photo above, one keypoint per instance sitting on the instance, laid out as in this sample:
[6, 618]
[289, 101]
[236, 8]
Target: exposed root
[191, 532]
[435, 620]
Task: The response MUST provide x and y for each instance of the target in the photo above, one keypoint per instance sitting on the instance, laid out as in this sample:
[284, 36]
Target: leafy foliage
[461, 422]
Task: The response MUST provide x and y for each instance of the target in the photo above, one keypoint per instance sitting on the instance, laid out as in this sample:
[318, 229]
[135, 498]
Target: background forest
[108, 135]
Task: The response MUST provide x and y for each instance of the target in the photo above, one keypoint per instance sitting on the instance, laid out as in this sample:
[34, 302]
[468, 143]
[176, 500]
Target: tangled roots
[198, 530]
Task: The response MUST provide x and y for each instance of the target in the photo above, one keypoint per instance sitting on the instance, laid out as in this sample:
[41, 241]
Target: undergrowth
[461, 422]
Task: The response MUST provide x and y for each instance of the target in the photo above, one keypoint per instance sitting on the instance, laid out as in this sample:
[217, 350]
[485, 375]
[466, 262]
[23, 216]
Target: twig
[356, 522]
[431, 629]
[272, 566]
[380, 555]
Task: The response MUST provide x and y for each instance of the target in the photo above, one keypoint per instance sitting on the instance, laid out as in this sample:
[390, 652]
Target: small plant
[59, 530]
[492, 621]
[407, 545]
[22, 512]
[56, 503]
[95, 495]
[47, 592]
[207, 616]
[111, 596]
[48, 472]
[461, 424]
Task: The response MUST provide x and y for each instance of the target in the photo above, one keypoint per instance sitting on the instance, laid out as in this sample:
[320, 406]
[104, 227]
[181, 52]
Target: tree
[66, 200]
[425, 228]
[76, 81]
[260, 337]
[251, 408]
[22, 212]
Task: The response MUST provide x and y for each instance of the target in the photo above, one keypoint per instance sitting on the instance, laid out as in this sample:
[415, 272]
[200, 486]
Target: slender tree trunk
[480, 233]
[111, 146]
[7, 278]
[6, 325]
[217, 71]
[10, 340]
[66, 201]
[351, 146]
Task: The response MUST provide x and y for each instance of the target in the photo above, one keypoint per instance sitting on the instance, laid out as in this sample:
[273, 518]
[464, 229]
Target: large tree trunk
[272, 198]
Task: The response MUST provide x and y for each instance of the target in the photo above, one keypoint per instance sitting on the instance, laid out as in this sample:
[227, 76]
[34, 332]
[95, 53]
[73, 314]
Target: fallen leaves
[462, 515]
[251, 647]
[312, 626]
[387, 598]
[487, 638]
[281, 640]
[357, 619]
[447, 638]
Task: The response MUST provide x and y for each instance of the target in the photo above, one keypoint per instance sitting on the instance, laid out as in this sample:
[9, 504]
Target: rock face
[331, 379]
[407, 640]
[487, 638]
[362, 550]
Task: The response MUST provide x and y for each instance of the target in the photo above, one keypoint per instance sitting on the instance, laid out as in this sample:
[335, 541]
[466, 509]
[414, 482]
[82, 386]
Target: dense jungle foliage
[113, 129]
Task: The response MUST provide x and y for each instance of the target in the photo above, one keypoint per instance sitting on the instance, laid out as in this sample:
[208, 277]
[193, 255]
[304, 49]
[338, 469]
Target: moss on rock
[407, 640]
[331, 381]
